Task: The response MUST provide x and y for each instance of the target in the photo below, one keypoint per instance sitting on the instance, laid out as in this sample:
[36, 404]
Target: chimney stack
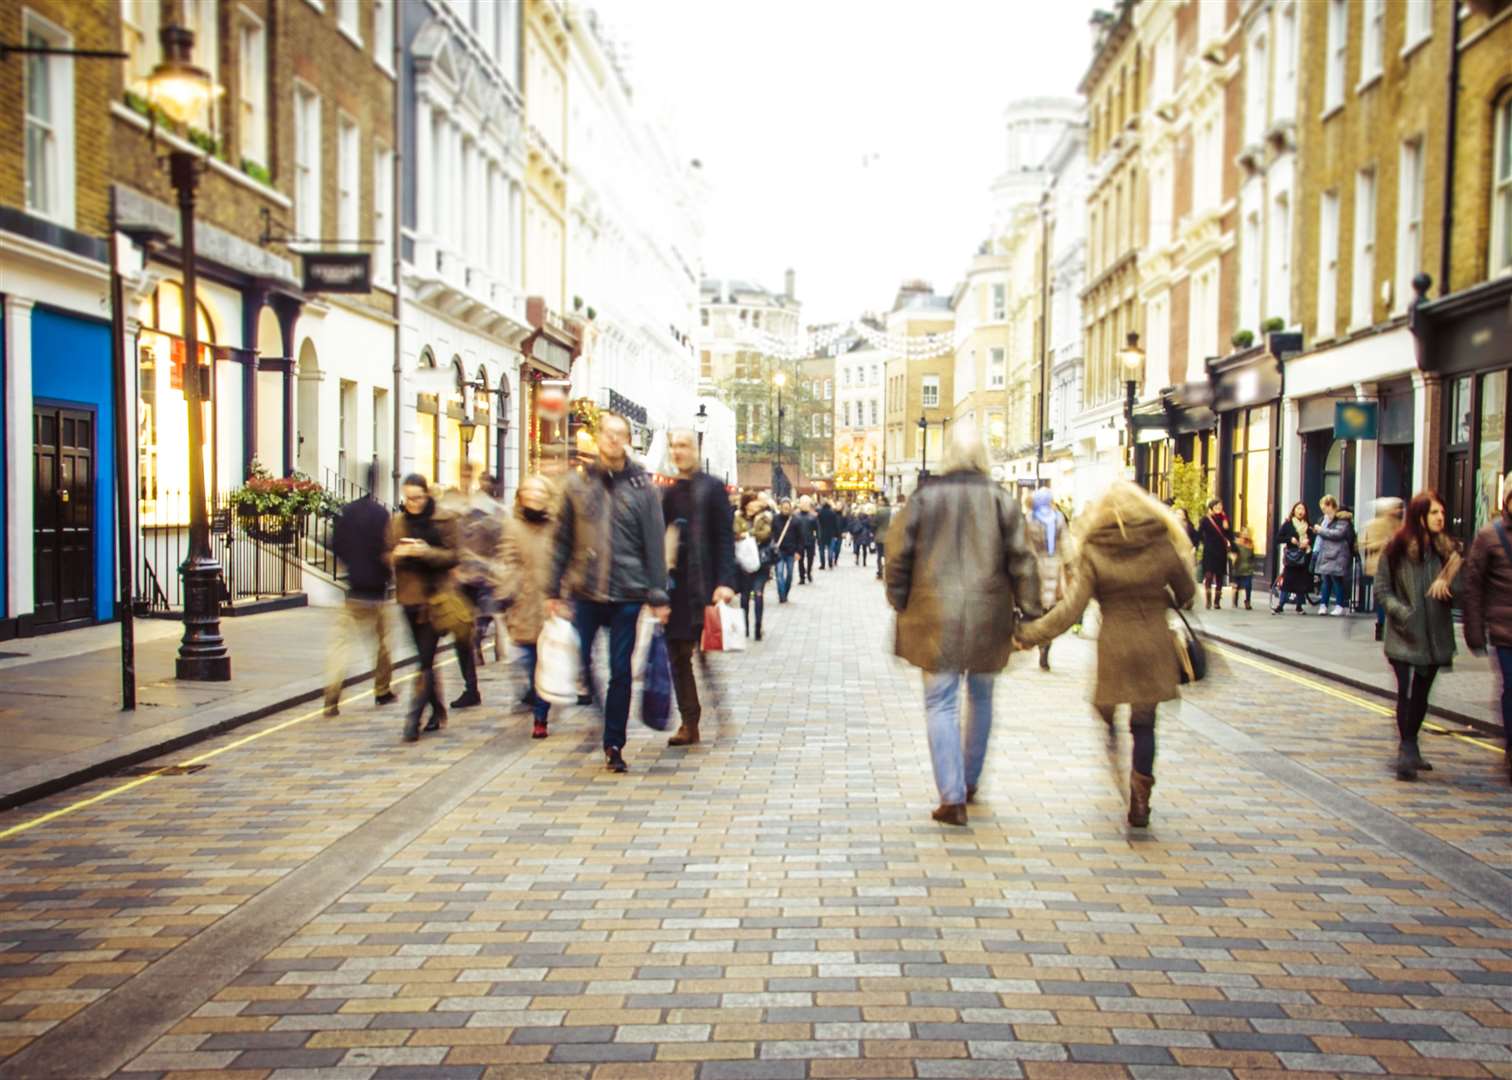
[790, 284]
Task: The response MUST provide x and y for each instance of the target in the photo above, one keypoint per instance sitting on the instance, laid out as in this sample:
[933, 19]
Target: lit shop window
[162, 411]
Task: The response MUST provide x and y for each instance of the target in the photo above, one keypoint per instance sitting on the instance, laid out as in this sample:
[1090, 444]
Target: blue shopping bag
[656, 688]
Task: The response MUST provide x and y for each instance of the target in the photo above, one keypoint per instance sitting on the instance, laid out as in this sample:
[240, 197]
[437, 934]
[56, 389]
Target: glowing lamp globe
[551, 402]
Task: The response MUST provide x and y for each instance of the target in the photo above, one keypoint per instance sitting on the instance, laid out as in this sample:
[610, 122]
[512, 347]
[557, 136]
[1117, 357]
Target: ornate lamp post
[701, 425]
[923, 447]
[1132, 358]
[182, 90]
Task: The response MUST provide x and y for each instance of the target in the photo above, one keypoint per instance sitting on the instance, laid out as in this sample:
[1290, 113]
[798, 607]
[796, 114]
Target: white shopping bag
[645, 626]
[732, 628]
[558, 658]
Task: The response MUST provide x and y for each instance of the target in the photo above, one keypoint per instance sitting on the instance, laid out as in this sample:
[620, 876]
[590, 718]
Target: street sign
[338, 272]
[1355, 419]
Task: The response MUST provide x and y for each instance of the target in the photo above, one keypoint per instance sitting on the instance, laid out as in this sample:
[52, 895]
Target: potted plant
[1242, 339]
[273, 508]
[1273, 325]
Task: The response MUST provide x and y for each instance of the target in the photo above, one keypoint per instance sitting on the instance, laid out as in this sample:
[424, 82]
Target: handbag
[450, 613]
[656, 690]
[748, 554]
[558, 657]
[713, 630]
[1190, 652]
[1294, 556]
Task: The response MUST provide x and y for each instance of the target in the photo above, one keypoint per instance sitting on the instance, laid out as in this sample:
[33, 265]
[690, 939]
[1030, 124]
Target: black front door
[1461, 508]
[63, 515]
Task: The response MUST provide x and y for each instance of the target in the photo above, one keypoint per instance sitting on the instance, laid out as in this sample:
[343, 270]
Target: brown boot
[687, 735]
[1207, 597]
[950, 813]
[1139, 798]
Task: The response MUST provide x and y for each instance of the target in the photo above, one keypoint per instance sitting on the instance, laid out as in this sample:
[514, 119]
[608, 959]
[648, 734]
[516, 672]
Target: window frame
[1409, 218]
[1336, 57]
[1363, 268]
[1417, 24]
[383, 35]
[58, 71]
[928, 383]
[383, 214]
[252, 136]
[349, 21]
[1328, 271]
[1372, 43]
[997, 367]
[306, 171]
[1499, 251]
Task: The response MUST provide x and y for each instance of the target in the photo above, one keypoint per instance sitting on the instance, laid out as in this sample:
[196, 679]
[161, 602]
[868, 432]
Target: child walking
[1244, 567]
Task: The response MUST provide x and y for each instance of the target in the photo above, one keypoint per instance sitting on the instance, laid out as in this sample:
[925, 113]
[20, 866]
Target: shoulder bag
[1190, 652]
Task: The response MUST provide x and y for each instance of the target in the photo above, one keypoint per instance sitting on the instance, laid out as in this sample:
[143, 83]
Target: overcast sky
[853, 140]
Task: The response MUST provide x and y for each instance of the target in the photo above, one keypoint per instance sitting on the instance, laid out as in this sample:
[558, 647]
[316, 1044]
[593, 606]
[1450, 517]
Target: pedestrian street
[321, 899]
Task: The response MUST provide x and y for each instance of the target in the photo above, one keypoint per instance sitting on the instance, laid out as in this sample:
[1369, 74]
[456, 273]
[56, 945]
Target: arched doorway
[482, 405]
[162, 412]
[502, 462]
[307, 422]
[427, 433]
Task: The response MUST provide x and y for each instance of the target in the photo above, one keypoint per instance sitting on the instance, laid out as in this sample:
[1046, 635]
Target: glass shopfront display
[162, 412]
[1250, 466]
[1490, 447]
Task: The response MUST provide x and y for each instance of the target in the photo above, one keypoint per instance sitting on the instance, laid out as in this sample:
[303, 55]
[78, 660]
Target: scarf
[1046, 514]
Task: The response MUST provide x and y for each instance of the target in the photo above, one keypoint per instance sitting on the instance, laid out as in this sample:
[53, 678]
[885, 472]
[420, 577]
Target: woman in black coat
[1212, 532]
[1294, 542]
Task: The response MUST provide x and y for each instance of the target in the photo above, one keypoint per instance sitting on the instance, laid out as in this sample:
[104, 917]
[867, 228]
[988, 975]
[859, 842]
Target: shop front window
[1252, 474]
[1491, 458]
[162, 411]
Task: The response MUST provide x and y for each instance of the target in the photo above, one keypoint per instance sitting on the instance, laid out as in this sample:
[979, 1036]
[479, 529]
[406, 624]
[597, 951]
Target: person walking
[610, 557]
[1243, 571]
[863, 534]
[829, 535]
[1050, 537]
[1378, 533]
[522, 569]
[1334, 539]
[755, 520]
[1416, 581]
[1487, 603]
[959, 568]
[1134, 558]
[1294, 545]
[806, 523]
[359, 540]
[1213, 534]
[881, 521]
[788, 547]
[703, 570]
[422, 542]
[480, 523]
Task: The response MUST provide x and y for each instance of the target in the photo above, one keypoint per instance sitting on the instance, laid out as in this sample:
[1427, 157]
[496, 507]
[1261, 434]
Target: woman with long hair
[422, 542]
[1416, 583]
[1294, 543]
[1135, 559]
[753, 519]
[1213, 533]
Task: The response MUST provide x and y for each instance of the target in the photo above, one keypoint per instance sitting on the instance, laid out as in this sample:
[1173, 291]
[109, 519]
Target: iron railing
[259, 557]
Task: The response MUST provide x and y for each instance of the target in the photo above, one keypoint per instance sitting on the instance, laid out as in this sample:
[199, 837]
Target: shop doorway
[63, 516]
[1396, 472]
[1461, 494]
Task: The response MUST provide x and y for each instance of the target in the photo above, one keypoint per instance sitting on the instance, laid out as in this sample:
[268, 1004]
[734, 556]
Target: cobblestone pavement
[321, 900]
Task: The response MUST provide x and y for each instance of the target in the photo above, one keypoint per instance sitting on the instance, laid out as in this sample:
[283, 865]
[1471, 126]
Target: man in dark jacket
[786, 534]
[1488, 603]
[610, 551]
[806, 525]
[829, 535]
[702, 573]
[360, 541]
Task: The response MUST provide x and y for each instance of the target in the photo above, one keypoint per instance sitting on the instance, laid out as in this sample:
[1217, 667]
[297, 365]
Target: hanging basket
[271, 529]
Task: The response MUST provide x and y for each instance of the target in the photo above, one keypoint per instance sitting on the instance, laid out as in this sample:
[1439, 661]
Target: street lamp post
[923, 447]
[700, 425]
[779, 380]
[181, 90]
[1132, 357]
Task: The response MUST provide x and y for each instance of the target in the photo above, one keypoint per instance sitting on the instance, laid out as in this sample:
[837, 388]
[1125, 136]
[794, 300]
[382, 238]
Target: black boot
[1406, 762]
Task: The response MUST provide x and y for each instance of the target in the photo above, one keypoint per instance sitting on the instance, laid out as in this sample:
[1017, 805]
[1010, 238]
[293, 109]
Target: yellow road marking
[53, 815]
[1342, 695]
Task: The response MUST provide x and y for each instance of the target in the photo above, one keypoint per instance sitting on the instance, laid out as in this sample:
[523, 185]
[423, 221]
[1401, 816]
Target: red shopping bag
[713, 632]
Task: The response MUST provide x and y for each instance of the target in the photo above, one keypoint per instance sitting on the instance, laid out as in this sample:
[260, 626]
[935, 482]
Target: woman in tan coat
[1133, 557]
[524, 569]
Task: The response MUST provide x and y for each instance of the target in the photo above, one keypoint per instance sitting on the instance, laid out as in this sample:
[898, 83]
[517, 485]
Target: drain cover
[161, 770]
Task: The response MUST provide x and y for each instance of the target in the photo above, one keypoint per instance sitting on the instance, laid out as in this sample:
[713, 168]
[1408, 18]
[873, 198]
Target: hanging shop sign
[337, 272]
[1355, 419]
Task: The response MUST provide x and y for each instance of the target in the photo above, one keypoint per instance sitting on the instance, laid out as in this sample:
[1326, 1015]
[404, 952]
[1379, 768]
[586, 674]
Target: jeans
[588, 619]
[358, 617]
[1504, 660]
[784, 577]
[684, 685]
[1333, 585]
[834, 552]
[1246, 583]
[428, 689]
[527, 661]
[467, 661]
[806, 564]
[956, 769]
[1413, 685]
[1283, 598]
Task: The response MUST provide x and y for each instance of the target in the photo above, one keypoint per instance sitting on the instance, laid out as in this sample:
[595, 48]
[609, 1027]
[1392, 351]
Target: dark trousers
[683, 683]
[752, 590]
[1504, 658]
[1246, 584]
[1142, 728]
[467, 661]
[880, 551]
[620, 618]
[1413, 685]
[427, 689]
[834, 552]
[806, 564]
